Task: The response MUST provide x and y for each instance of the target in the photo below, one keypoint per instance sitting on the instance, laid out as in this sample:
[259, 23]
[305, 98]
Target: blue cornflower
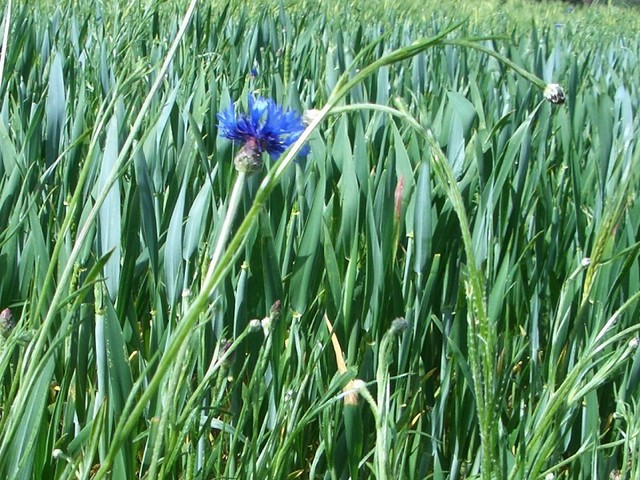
[265, 128]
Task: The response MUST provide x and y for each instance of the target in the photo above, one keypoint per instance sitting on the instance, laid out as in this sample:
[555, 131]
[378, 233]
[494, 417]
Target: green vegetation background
[110, 208]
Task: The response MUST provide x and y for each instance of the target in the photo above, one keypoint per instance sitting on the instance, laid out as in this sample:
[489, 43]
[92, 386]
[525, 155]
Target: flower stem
[234, 201]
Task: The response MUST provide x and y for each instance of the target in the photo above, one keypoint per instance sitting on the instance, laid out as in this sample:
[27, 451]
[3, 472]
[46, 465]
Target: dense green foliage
[441, 189]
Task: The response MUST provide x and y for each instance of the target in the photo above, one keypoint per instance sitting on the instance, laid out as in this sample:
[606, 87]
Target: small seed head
[351, 393]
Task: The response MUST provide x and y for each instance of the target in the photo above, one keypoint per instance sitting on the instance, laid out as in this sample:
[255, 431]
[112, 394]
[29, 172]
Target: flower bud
[224, 348]
[554, 93]
[274, 313]
[351, 391]
[249, 158]
[254, 325]
[266, 325]
[399, 325]
[7, 323]
[309, 116]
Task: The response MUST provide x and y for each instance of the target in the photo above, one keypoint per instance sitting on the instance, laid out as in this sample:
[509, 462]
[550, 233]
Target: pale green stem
[214, 366]
[473, 44]
[101, 357]
[234, 201]
[382, 419]
[5, 39]
[166, 413]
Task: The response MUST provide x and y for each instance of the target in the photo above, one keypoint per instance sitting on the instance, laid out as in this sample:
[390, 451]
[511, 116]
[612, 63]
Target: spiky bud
[249, 158]
[554, 93]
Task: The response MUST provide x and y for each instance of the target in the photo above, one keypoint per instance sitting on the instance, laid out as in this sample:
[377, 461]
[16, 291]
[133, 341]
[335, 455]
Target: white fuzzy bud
[254, 325]
[554, 94]
[310, 115]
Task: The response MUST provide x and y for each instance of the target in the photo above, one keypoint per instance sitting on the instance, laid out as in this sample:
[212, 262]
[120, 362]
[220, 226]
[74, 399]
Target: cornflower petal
[266, 126]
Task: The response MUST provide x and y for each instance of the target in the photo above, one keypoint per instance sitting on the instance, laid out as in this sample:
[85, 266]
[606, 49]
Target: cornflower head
[266, 127]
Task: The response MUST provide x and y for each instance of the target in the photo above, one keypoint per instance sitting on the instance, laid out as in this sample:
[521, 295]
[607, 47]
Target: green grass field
[445, 286]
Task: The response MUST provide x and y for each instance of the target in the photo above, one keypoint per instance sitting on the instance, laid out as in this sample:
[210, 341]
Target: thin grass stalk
[296, 425]
[167, 400]
[565, 462]
[482, 364]
[473, 44]
[604, 233]
[214, 367]
[86, 462]
[192, 414]
[257, 380]
[481, 353]
[5, 39]
[383, 422]
[482, 349]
